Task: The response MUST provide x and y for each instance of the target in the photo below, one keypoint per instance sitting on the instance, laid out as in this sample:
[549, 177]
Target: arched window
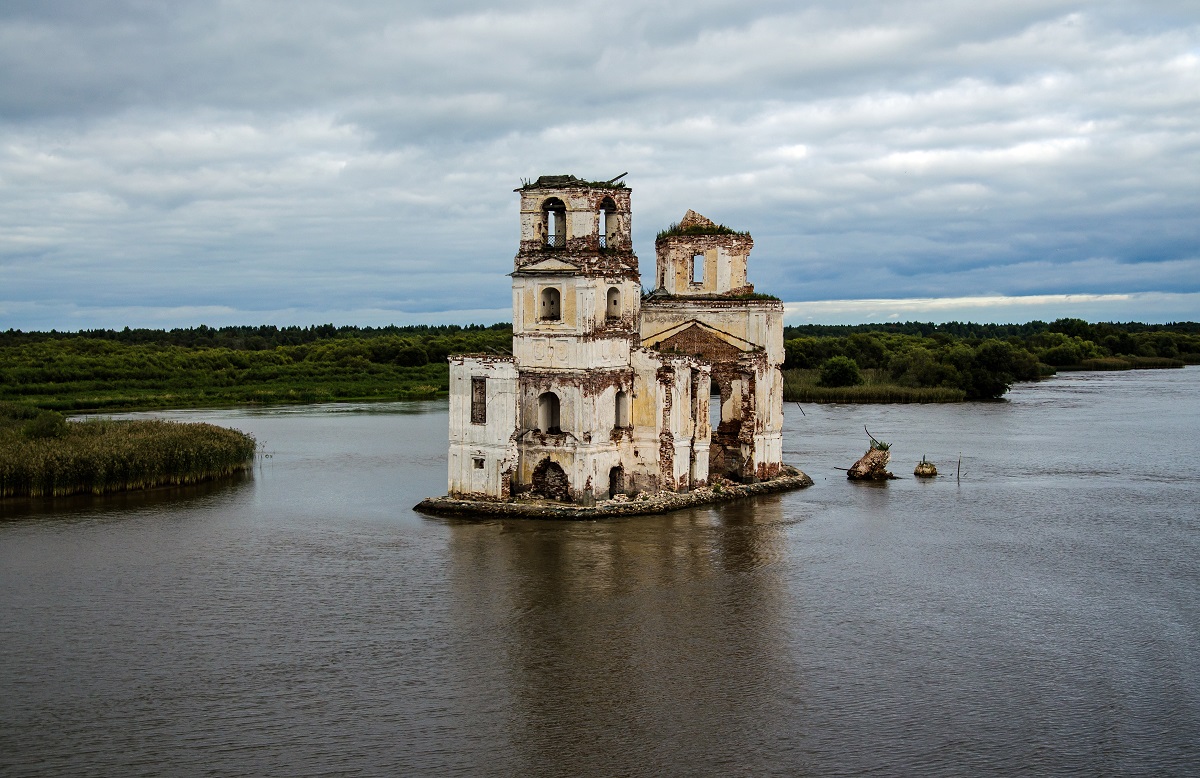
[607, 223]
[621, 415]
[551, 308]
[548, 413]
[554, 216]
[613, 309]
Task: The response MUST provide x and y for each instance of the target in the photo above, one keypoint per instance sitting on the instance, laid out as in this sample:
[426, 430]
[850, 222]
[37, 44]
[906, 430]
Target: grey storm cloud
[169, 164]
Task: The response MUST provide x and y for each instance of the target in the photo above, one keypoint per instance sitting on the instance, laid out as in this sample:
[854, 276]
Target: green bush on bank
[839, 371]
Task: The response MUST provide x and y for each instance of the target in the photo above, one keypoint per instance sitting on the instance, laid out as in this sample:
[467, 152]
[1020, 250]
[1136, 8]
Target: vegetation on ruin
[674, 230]
[660, 294]
[203, 367]
[568, 180]
[756, 296]
[44, 455]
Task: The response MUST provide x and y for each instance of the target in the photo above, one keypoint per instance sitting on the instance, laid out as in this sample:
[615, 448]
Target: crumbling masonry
[607, 392]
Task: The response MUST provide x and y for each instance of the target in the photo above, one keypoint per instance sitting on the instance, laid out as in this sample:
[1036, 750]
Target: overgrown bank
[202, 366]
[44, 455]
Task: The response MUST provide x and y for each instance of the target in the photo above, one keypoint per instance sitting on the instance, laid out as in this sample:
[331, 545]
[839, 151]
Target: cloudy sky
[244, 162]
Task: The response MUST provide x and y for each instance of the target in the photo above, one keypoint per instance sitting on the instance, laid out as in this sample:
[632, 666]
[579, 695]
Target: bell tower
[576, 303]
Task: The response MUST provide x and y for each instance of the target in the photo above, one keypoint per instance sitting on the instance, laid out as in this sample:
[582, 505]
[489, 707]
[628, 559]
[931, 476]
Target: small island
[42, 454]
[602, 405]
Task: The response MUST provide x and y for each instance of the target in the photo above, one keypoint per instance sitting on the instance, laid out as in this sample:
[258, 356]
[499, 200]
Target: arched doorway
[550, 481]
[616, 481]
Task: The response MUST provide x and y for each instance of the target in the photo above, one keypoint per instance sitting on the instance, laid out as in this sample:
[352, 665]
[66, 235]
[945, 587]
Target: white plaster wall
[492, 440]
[567, 352]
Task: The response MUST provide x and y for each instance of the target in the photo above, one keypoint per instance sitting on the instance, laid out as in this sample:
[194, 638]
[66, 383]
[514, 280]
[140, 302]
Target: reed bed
[801, 386]
[101, 456]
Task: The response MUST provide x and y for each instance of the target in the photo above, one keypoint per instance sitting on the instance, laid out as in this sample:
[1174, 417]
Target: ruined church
[607, 391]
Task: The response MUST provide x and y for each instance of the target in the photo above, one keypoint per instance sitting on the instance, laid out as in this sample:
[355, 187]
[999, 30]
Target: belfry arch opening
[612, 309]
[548, 414]
[551, 304]
[607, 223]
[554, 217]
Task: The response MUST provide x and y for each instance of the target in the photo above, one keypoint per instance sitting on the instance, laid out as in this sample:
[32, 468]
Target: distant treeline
[110, 369]
[203, 366]
[1063, 344]
[960, 329]
[259, 338]
[979, 361]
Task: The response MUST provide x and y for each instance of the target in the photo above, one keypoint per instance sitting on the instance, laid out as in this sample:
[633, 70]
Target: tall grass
[802, 386]
[101, 456]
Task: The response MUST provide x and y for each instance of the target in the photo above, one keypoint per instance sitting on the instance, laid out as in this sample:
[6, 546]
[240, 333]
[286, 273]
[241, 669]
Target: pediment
[696, 338]
[551, 265]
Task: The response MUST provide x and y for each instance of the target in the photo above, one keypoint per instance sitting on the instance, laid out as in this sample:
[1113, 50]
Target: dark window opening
[478, 462]
[478, 400]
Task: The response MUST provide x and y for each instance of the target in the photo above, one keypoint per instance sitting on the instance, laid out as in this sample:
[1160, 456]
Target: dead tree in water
[873, 464]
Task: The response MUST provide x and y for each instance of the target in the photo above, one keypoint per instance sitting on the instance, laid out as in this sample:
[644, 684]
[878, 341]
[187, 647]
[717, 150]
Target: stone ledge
[663, 502]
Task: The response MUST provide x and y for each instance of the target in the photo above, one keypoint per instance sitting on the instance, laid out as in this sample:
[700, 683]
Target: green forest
[203, 366]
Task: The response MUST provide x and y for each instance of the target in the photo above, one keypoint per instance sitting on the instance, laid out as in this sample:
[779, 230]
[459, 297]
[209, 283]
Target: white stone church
[607, 392]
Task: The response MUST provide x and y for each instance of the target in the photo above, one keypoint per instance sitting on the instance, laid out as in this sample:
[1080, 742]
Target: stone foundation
[789, 478]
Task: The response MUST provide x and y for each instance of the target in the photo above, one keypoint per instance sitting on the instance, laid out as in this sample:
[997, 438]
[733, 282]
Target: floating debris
[925, 469]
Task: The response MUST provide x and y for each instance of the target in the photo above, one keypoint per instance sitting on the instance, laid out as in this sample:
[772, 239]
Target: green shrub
[47, 424]
[840, 371]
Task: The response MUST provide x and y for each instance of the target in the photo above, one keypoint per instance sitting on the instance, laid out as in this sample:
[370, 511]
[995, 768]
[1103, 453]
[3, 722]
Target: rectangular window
[478, 462]
[478, 400]
[698, 269]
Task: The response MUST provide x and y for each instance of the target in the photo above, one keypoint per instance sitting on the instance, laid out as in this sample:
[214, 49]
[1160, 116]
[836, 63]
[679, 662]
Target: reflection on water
[665, 628]
[1039, 616]
[121, 503]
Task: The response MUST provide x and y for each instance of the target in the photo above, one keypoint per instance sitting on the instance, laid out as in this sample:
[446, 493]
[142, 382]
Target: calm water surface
[1040, 616]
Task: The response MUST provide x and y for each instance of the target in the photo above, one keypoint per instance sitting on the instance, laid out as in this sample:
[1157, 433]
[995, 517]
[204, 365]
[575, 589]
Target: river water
[1038, 615]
